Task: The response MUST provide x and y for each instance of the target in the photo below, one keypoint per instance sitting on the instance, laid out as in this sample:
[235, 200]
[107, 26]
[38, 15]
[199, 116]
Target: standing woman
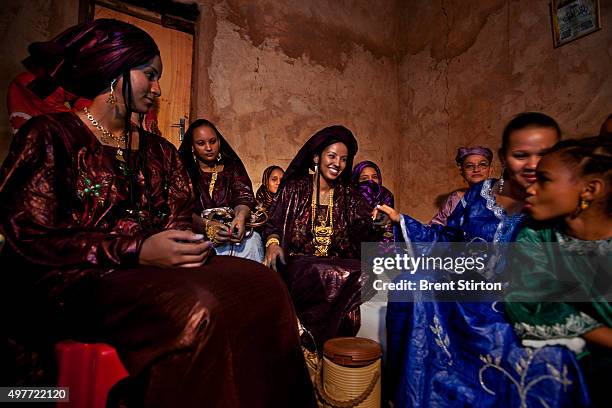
[97, 215]
[270, 181]
[220, 180]
[562, 291]
[474, 166]
[313, 236]
[460, 353]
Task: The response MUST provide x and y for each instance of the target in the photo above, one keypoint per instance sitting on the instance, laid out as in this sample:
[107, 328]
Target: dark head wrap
[228, 155]
[373, 192]
[303, 162]
[265, 196]
[464, 152]
[85, 58]
[362, 165]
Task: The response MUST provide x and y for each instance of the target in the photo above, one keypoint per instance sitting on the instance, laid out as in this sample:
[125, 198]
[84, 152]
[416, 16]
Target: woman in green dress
[561, 295]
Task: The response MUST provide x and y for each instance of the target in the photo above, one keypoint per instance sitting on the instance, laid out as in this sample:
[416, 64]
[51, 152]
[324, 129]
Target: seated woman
[367, 179]
[448, 353]
[561, 296]
[315, 228]
[220, 180]
[270, 181]
[97, 214]
[474, 166]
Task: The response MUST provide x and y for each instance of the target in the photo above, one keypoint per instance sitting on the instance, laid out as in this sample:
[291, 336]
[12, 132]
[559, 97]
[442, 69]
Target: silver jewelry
[500, 185]
[111, 98]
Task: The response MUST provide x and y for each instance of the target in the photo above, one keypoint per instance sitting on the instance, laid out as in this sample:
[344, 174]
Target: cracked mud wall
[273, 73]
[468, 67]
[413, 79]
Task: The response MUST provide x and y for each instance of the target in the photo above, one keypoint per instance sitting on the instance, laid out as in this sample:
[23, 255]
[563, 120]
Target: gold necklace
[322, 233]
[213, 180]
[107, 137]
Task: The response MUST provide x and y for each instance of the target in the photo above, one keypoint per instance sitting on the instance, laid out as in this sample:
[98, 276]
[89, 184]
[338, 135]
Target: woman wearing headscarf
[452, 348]
[367, 179]
[474, 166]
[313, 236]
[270, 181]
[97, 215]
[220, 180]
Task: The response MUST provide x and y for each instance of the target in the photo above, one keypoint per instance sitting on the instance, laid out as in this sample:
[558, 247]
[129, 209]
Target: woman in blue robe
[449, 354]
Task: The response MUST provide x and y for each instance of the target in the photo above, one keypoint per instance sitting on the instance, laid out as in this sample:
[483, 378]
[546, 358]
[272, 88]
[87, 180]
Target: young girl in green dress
[561, 295]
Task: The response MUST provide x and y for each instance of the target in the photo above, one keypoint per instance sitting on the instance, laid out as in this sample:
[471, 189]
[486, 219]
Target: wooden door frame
[177, 16]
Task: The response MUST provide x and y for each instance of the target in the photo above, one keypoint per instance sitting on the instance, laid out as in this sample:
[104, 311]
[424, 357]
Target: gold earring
[195, 157]
[111, 98]
[584, 204]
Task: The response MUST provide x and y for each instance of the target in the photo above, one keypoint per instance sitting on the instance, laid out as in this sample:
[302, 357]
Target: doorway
[175, 42]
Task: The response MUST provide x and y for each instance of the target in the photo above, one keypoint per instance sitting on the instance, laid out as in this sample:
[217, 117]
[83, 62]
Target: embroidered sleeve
[534, 302]
[36, 195]
[575, 324]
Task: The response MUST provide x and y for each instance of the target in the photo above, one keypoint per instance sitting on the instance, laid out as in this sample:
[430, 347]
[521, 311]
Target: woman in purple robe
[220, 180]
[314, 233]
[97, 215]
[367, 179]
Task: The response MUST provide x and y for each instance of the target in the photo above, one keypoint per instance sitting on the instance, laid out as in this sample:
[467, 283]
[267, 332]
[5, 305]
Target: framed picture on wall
[572, 19]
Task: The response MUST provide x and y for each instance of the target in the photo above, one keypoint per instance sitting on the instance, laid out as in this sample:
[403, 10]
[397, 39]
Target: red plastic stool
[89, 370]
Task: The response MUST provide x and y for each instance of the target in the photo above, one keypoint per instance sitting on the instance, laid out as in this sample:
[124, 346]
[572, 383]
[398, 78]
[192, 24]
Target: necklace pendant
[119, 156]
[213, 180]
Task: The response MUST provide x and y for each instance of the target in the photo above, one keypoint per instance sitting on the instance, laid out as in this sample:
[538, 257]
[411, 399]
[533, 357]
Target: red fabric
[24, 104]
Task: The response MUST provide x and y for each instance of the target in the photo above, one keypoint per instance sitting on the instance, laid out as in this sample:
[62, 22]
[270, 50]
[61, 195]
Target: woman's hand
[223, 232]
[174, 248]
[393, 214]
[274, 252]
[601, 335]
[237, 228]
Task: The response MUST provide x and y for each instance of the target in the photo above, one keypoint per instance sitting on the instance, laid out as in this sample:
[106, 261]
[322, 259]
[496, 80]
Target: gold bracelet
[271, 241]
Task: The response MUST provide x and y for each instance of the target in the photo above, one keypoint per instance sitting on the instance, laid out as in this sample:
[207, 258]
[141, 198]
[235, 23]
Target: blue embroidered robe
[456, 354]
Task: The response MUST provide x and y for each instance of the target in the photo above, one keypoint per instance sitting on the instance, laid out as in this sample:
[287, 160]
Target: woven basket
[349, 374]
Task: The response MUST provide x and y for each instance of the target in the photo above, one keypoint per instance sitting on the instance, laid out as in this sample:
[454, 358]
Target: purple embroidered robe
[326, 291]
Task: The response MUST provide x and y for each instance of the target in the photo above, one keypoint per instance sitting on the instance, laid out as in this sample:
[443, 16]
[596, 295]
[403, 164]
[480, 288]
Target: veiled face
[333, 161]
[206, 144]
[274, 180]
[369, 173]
